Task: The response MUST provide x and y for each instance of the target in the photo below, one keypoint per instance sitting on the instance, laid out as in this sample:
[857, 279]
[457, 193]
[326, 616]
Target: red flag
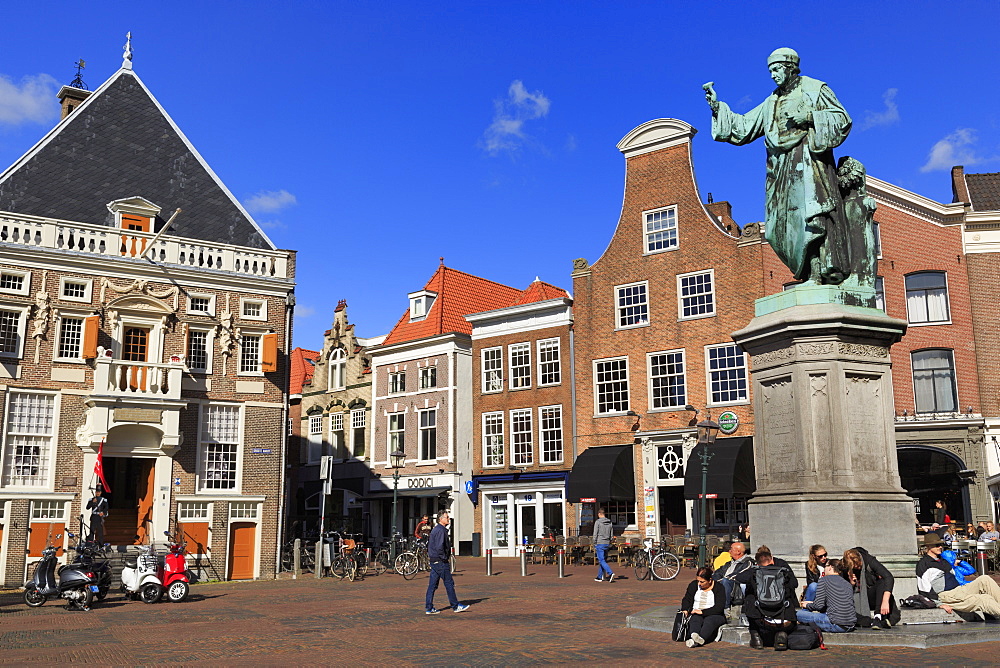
[99, 467]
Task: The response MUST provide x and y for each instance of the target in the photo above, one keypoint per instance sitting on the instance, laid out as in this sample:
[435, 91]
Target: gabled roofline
[44, 141]
[916, 205]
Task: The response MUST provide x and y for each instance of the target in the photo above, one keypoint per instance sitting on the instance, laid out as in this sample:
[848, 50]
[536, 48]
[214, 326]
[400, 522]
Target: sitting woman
[873, 585]
[832, 609]
[814, 571]
[705, 600]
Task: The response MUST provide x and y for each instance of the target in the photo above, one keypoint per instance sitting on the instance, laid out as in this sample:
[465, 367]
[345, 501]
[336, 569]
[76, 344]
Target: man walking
[439, 554]
[603, 530]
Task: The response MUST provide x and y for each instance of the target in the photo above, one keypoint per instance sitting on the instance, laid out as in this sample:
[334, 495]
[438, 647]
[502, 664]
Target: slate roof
[458, 294]
[302, 370]
[121, 143]
[984, 191]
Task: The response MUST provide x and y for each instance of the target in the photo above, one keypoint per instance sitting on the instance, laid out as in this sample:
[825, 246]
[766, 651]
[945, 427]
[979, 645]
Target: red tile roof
[302, 370]
[458, 294]
[540, 291]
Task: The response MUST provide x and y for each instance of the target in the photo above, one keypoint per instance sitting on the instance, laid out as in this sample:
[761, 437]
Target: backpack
[771, 585]
[806, 636]
[918, 601]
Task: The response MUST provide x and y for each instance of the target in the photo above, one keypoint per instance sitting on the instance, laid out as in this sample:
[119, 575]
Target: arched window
[934, 388]
[337, 369]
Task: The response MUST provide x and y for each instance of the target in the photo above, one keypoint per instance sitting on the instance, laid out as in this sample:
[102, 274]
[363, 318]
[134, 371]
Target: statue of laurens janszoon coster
[819, 217]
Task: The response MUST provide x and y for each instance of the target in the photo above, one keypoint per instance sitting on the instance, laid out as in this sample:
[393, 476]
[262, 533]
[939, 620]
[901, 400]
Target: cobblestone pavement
[513, 620]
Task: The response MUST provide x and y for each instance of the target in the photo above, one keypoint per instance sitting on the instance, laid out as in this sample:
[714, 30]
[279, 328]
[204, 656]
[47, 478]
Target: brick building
[652, 323]
[422, 402]
[522, 409]
[164, 343]
[302, 365]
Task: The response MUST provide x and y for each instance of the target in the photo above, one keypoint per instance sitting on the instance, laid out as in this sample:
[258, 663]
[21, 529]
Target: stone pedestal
[824, 447]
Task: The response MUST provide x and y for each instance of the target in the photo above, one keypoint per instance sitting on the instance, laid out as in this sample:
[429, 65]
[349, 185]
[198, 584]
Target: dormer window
[134, 214]
[420, 304]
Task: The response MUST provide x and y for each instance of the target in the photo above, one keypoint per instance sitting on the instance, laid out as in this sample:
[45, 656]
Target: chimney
[959, 188]
[71, 98]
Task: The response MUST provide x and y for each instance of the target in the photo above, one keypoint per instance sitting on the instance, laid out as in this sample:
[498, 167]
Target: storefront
[727, 485]
[604, 477]
[519, 507]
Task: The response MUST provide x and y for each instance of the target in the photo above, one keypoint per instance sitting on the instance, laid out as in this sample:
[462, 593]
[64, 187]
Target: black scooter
[93, 556]
[76, 582]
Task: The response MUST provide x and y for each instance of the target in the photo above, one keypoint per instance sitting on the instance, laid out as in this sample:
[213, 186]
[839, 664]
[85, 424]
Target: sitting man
[990, 533]
[934, 574]
[936, 580]
[833, 608]
[740, 562]
[770, 601]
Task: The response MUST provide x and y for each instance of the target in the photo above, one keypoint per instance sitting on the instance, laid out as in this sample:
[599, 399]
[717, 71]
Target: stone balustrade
[147, 380]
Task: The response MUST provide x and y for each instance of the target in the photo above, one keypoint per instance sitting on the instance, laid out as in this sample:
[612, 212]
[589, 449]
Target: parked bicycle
[415, 560]
[655, 561]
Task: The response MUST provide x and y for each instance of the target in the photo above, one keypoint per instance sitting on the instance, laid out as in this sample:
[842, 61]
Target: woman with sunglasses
[814, 571]
[705, 600]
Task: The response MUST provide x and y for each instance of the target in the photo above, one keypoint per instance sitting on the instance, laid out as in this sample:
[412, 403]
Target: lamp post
[396, 461]
[708, 429]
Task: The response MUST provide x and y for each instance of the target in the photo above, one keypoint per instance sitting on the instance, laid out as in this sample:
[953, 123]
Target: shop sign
[414, 483]
[588, 500]
[729, 422]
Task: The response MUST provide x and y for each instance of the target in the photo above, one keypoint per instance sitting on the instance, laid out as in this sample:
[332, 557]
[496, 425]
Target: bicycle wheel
[407, 565]
[666, 566]
[361, 559]
[380, 562]
[352, 568]
[642, 569]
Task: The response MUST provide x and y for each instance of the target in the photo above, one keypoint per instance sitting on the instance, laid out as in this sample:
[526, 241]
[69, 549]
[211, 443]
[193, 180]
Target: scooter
[140, 578]
[173, 571]
[75, 582]
[87, 551]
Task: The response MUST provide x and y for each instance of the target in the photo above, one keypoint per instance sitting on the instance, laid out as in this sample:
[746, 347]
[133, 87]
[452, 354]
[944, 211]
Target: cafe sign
[729, 422]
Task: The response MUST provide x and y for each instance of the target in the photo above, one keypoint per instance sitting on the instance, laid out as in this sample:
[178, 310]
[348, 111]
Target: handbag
[681, 621]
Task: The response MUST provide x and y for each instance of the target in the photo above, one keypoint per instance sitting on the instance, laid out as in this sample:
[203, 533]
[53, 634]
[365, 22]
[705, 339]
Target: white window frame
[336, 370]
[209, 333]
[244, 336]
[422, 432]
[400, 433]
[46, 483]
[880, 292]
[22, 329]
[877, 234]
[88, 287]
[545, 347]
[244, 301]
[202, 475]
[427, 373]
[492, 376]
[597, 386]
[420, 304]
[359, 420]
[518, 417]
[397, 382]
[681, 298]
[337, 438]
[646, 215]
[242, 511]
[544, 434]
[194, 510]
[493, 419]
[954, 379]
[620, 310]
[25, 276]
[519, 375]
[709, 372]
[62, 316]
[649, 379]
[314, 438]
[211, 304]
[947, 300]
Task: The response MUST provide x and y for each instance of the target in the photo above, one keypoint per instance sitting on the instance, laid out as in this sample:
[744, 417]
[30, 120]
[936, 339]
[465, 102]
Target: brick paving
[513, 621]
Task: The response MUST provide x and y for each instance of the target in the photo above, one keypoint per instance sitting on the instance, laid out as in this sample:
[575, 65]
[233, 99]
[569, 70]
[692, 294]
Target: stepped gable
[540, 291]
[458, 294]
[984, 191]
[121, 143]
[302, 370]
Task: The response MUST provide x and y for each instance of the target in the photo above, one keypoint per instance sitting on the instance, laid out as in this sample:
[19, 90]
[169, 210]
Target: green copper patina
[819, 217]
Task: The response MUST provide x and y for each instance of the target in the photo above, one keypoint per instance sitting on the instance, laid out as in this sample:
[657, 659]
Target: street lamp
[396, 461]
[708, 429]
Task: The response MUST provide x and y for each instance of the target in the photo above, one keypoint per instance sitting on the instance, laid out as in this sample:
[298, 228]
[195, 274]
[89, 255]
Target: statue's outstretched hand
[711, 97]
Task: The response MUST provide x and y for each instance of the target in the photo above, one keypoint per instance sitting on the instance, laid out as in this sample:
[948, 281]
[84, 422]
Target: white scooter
[139, 576]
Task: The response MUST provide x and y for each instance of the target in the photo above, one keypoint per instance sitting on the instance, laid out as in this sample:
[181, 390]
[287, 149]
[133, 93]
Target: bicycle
[655, 562]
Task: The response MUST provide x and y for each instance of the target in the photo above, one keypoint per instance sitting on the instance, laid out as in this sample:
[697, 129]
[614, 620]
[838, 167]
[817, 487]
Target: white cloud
[955, 149]
[269, 201]
[571, 143]
[887, 116]
[31, 101]
[506, 132]
[272, 224]
[302, 311]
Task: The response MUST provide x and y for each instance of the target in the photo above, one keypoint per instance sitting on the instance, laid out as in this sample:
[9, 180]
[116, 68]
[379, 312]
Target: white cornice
[655, 135]
[520, 309]
[379, 353]
[916, 205]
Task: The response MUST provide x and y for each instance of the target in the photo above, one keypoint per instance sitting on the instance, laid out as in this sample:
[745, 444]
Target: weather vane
[127, 56]
[78, 81]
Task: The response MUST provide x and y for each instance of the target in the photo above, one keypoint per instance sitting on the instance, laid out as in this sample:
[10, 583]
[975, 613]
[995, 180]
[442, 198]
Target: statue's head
[783, 63]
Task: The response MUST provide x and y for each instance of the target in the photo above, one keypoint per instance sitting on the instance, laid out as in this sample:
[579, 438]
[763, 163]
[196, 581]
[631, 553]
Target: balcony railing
[113, 242]
[146, 380]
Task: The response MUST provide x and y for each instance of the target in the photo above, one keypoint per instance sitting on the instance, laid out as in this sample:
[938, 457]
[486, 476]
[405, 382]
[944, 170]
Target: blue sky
[375, 137]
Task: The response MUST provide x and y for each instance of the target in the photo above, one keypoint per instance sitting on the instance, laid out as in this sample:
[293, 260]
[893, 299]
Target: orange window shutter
[269, 355]
[91, 325]
[135, 223]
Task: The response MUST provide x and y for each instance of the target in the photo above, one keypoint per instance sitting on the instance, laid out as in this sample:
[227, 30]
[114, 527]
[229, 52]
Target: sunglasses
[822, 556]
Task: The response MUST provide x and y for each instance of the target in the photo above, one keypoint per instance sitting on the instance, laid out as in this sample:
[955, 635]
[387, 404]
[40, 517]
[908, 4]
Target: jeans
[810, 594]
[706, 626]
[602, 565]
[440, 570]
[821, 620]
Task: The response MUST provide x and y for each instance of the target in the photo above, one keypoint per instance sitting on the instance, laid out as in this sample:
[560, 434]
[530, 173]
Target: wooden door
[195, 534]
[146, 494]
[39, 534]
[242, 545]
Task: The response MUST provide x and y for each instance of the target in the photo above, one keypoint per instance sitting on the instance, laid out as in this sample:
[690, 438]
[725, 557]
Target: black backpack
[771, 585]
[806, 636]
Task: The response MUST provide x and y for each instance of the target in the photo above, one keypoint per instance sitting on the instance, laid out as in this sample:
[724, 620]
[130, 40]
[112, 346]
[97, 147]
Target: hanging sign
[729, 422]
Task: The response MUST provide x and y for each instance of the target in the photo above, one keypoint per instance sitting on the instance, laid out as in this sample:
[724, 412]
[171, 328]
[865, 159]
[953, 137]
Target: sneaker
[432, 611]
[690, 642]
[698, 640]
[612, 578]
[598, 579]
[461, 607]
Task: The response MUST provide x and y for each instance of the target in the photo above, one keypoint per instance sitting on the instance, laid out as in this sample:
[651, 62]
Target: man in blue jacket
[439, 554]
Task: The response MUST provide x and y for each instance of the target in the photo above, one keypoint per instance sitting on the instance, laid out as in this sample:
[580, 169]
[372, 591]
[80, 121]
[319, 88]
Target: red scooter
[173, 570]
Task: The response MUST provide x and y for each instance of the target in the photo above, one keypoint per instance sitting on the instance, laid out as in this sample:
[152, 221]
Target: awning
[604, 473]
[730, 470]
[418, 492]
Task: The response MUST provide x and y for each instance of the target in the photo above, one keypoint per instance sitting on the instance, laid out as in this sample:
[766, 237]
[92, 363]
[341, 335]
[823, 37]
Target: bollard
[981, 558]
[561, 557]
[489, 561]
[524, 562]
[297, 559]
[318, 567]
